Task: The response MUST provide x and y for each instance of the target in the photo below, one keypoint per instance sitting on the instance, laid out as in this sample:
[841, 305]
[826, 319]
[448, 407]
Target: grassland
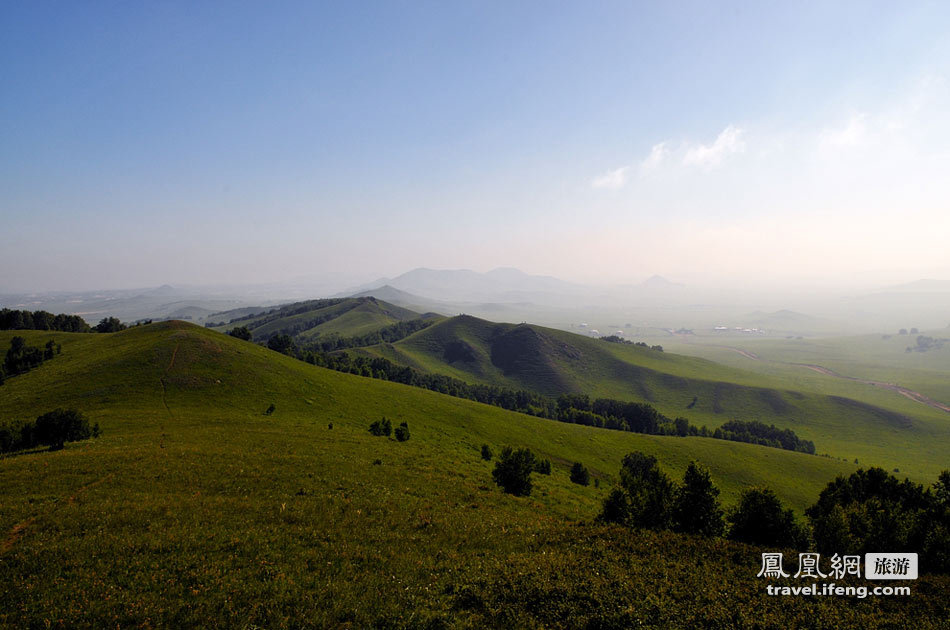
[345, 317]
[195, 508]
[845, 419]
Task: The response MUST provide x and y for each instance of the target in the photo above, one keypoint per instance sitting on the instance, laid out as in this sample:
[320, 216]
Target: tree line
[41, 320]
[573, 408]
[21, 358]
[52, 429]
[868, 511]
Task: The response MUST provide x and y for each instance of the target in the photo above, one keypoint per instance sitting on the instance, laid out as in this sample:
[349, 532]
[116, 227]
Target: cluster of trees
[240, 332]
[110, 325]
[41, 320]
[514, 467]
[925, 343]
[869, 511]
[621, 340]
[575, 408]
[384, 428]
[647, 498]
[22, 358]
[755, 432]
[52, 429]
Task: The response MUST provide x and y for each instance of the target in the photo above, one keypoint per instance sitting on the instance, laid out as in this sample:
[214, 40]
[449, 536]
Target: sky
[201, 143]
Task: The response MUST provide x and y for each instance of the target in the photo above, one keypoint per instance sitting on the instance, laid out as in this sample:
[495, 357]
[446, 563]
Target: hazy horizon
[744, 145]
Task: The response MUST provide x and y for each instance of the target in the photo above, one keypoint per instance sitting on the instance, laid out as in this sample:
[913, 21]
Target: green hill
[551, 362]
[346, 317]
[194, 505]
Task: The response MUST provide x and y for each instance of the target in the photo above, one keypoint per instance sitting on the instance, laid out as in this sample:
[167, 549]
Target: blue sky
[145, 143]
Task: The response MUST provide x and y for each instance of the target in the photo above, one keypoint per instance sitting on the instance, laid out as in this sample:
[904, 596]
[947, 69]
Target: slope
[195, 508]
[552, 361]
[313, 318]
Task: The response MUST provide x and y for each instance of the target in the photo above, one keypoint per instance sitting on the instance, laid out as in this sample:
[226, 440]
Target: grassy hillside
[345, 317]
[841, 421]
[195, 506]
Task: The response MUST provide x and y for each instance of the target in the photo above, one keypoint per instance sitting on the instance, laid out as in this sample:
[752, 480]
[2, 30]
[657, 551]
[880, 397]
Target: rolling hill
[308, 320]
[194, 507]
[551, 362]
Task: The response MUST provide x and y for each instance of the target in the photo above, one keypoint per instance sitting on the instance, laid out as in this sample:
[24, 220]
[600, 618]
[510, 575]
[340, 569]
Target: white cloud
[853, 134]
[613, 180]
[657, 154]
[728, 142]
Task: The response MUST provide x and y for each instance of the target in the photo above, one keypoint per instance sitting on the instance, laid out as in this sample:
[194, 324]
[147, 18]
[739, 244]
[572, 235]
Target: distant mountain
[659, 282]
[504, 285]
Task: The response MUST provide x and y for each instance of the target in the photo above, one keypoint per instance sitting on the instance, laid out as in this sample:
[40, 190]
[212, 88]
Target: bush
[760, 519]
[542, 466]
[240, 332]
[60, 426]
[109, 325]
[513, 471]
[696, 508]
[270, 409]
[486, 452]
[647, 494]
[579, 474]
[402, 432]
[381, 427]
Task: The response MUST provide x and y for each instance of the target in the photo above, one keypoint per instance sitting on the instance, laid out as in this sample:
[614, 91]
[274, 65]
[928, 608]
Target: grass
[347, 317]
[196, 509]
[845, 419]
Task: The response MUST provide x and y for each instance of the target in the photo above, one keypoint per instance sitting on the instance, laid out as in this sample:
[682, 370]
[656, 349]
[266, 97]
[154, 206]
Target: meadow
[196, 508]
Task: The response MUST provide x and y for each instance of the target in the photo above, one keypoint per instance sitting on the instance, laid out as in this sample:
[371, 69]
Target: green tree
[513, 471]
[60, 426]
[110, 325]
[402, 432]
[240, 332]
[381, 427]
[645, 496]
[282, 343]
[761, 519]
[579, 474]
[486, 452]
[696, 508]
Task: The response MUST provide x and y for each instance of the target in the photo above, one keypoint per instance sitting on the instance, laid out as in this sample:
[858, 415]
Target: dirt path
[903, 391]
[168, 409]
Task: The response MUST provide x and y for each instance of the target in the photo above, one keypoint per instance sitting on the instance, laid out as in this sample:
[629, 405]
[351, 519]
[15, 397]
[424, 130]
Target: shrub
[760, 519]
[696, 508]
[240, 332]
[109, 325]
[645, 495]
[402, 432]
[270, 409]
[486, 452]
[513, 471]
[542, 466]
[60, 426]
[579, 474]
[382, 427]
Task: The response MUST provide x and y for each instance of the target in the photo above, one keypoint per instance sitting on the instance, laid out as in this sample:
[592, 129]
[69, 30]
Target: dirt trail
[903, 391]
[168, 409]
